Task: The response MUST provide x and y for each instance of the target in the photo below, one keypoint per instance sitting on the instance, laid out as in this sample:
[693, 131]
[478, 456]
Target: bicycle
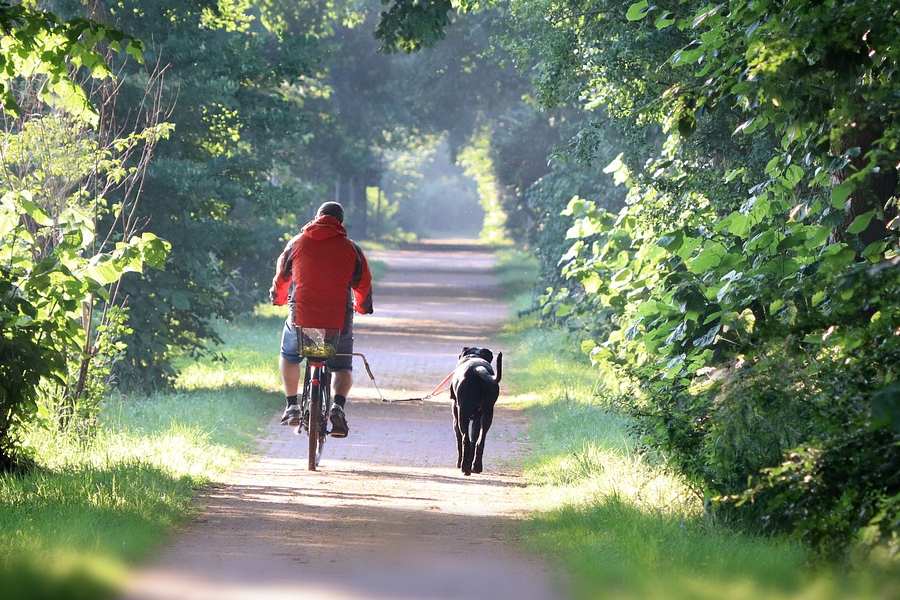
[315, 345]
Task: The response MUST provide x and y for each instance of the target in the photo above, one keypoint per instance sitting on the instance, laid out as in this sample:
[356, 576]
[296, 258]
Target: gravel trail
[387, 515]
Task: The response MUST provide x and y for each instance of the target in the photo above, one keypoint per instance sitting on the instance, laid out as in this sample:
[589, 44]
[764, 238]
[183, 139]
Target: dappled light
[483, 299]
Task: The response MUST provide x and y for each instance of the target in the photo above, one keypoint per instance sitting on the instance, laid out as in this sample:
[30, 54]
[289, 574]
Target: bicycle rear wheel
[325, 389]
[315, 419]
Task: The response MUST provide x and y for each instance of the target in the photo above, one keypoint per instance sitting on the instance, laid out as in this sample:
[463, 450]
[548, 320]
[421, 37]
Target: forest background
[711, 191]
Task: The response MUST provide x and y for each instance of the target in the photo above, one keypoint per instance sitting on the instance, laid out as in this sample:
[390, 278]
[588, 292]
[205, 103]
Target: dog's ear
[486, 354]
[465, 350]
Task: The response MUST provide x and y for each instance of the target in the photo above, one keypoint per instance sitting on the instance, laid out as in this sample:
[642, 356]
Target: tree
[71, 174]
[229, 182]
[743, 303]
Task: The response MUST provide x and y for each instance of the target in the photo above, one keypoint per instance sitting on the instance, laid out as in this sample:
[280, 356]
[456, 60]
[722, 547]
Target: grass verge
[72, 527]
[621, 525]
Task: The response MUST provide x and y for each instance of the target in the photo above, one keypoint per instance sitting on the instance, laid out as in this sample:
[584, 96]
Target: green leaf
[678, 333]
[874, 252]
[135, 50]
[816, 235]
[761, 241]
[155, 250]
[793, 176]
[648, 308]
[818, 298]
[637, 11]
[860, 223]
[35, 212]
[670, 241]
[708, 258]
[8, 221]
[564, 310]
[744, 127]
[664, 20]
[592, 283]
[105, 272]
[673, 366]
[738, 224]
[841, 192]
[833, 263]
[708, 338]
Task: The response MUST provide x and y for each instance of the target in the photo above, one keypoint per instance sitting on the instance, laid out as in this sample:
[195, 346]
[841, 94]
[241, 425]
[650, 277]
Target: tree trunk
[378, 233]
[874, 193]
[360, 208]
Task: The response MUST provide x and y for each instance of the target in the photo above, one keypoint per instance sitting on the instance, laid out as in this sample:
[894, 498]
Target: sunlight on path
[388, 515]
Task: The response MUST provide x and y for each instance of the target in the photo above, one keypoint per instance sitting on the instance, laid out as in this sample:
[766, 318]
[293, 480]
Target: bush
[25, 360]
[71, 180]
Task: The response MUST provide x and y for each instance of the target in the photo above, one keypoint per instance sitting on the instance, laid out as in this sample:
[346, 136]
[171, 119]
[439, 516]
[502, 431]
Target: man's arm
[362, 284]
[281, 284]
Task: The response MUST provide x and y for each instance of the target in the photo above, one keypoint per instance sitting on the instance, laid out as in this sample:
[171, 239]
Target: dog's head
[477, 353]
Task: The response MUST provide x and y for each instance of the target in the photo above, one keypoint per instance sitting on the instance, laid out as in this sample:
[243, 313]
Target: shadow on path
[387, 515]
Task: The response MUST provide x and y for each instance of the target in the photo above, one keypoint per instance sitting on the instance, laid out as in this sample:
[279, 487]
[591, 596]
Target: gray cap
[333, 209]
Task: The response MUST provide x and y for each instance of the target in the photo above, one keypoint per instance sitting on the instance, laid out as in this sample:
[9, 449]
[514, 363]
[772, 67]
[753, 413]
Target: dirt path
[387, 515]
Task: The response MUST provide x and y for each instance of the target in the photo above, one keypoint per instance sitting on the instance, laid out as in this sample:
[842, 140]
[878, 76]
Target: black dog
[474, 390]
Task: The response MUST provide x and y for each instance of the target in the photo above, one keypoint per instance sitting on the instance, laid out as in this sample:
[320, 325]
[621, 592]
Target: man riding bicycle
[324, 276]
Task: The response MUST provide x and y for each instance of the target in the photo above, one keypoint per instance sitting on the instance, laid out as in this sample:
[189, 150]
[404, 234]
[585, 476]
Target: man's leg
[341, 382]
[290, 376]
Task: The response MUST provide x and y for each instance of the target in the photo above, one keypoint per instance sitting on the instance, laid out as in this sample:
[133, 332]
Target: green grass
[619, 523]
[378, 269]
[624, 527]
[72, 527]
[517, 272]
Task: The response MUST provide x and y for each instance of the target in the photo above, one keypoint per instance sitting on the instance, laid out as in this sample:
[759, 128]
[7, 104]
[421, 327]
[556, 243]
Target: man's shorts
[344, 345]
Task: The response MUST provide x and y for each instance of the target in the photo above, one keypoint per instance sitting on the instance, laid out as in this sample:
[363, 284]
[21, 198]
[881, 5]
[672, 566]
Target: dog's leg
[468, 445]
[468, 453]
[476, 437]
[457, 431]
[487, 418]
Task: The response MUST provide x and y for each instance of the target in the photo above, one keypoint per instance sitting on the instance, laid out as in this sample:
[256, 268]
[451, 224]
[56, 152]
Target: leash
[371, 375]
[437, 389]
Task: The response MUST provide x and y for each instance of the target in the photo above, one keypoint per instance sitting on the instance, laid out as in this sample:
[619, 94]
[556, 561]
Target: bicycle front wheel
[315, 421]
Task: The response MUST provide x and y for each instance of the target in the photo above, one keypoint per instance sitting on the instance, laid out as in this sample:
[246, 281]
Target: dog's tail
[499, 367]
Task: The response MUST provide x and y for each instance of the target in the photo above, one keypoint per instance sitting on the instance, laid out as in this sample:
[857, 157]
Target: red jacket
[316, 272]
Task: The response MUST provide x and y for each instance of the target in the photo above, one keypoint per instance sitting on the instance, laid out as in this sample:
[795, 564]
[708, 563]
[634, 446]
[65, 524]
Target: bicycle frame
[316, 396]
[316, 406]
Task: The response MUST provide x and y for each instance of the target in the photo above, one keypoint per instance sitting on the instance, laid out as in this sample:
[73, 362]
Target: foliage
[39, 43]
[435, 196]
[693, 294]
[55, 276]
[476, 160]
[225, 189]
[619, 521]
[410, 25]
[75, 525]
[279, 106]
[744, 300]
[69, 188]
